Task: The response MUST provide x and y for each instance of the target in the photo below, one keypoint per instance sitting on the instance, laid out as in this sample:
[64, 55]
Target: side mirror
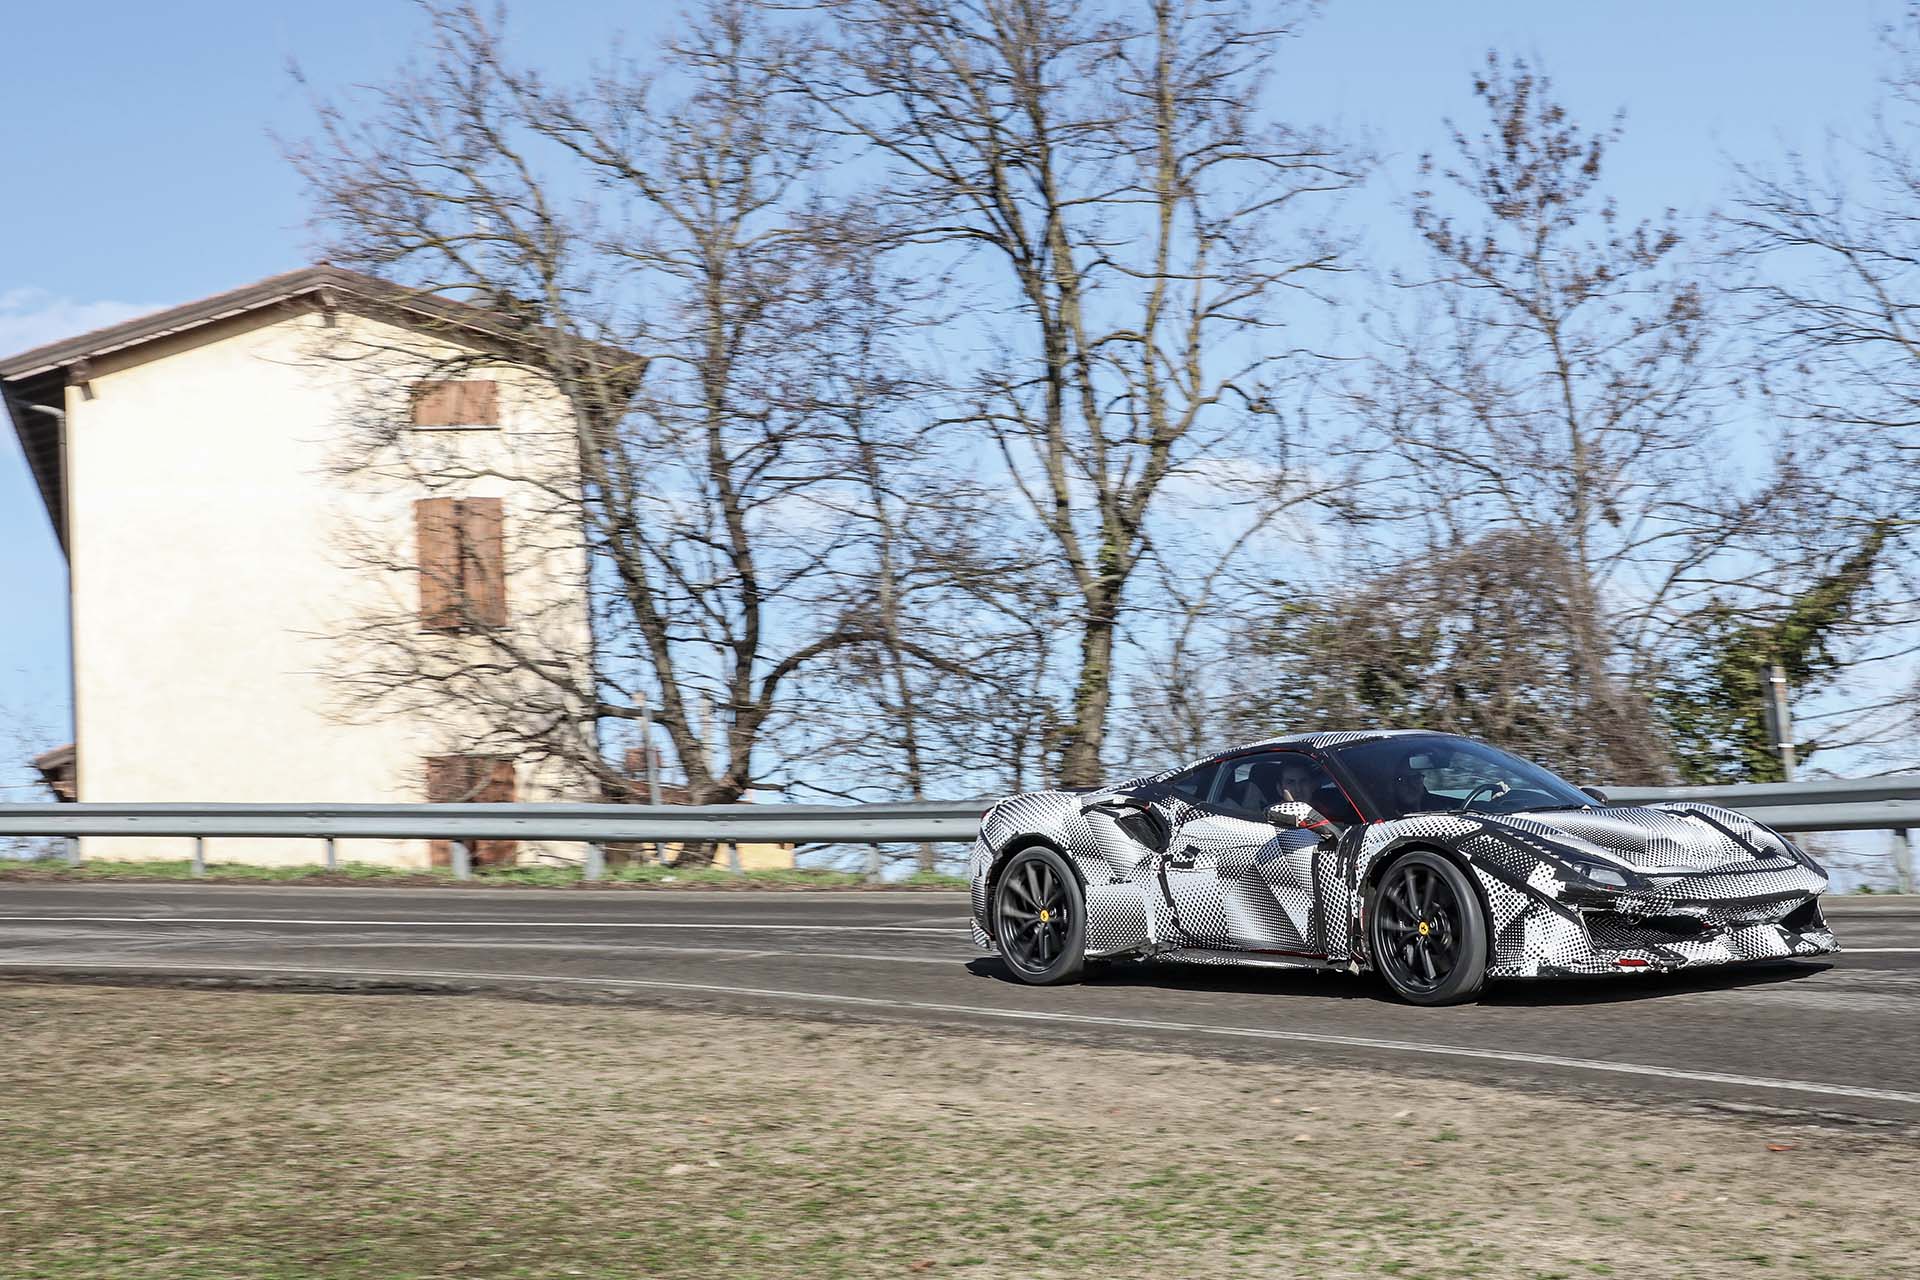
[1294, 816]
[1599, 796]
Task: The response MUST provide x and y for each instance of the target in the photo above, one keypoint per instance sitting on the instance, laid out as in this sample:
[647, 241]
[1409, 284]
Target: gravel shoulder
[232, 1133]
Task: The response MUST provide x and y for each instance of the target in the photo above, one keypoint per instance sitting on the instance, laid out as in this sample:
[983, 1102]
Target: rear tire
[1040, 918]
[1427, 931]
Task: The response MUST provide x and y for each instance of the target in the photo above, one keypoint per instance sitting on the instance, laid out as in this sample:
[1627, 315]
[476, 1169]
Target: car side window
[1193, 786]
[1250, 784]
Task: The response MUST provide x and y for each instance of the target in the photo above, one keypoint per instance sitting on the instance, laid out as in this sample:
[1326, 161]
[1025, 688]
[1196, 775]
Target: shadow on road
[1652, 986]
[1325, 984]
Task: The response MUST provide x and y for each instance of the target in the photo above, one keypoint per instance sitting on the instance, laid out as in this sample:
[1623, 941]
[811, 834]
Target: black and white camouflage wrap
[1708, 886]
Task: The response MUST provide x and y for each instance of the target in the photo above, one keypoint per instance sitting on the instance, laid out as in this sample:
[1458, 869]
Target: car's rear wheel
[1428, 931]
[1040, 918]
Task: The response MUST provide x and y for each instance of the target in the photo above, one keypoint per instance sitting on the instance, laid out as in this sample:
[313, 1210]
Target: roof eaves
[278, 290]
[160, 324]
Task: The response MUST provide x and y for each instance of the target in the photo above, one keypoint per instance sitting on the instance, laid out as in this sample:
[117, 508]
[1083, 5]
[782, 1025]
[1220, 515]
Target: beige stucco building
[293, 514]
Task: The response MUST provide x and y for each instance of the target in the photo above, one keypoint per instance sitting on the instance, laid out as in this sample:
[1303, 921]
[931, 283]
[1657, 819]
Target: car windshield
[1435, 774]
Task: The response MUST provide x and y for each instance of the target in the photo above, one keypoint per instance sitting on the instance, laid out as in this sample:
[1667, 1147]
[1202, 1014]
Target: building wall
[222, 570]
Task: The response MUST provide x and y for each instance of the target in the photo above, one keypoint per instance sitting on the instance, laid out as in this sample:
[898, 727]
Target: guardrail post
[1903, 851]
[733, 857]
[199, 855]
[462, 861]
[333, 862]
[873, 864]
[73, 851]
[596, 862]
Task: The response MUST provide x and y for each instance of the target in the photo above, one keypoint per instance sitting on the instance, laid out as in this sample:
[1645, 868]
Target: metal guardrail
[1742, 795]
[1866, 804]
[1872, 804]
[583, 823]
[593, 825]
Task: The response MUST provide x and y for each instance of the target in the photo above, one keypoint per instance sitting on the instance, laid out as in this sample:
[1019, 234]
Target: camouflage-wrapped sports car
[1435, 860]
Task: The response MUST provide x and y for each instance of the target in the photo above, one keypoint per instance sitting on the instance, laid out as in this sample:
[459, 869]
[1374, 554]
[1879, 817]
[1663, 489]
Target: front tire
[1428, 932]
[1040, 918]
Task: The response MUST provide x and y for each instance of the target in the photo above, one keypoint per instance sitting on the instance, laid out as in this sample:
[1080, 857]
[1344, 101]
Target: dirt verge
[174, 1133]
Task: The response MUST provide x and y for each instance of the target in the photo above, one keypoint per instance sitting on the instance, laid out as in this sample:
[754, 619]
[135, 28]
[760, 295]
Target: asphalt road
[1837, 1038]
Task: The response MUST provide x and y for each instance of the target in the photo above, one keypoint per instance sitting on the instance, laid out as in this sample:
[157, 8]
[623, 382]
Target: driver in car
[1296, 783]
[1410, 794]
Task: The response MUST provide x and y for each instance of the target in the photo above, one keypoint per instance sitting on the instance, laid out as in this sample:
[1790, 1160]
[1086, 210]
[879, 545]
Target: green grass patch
[182, 869]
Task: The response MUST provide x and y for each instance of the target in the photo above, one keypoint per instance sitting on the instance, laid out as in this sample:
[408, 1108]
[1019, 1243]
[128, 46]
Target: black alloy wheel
[1040, 918]
[1428, 931]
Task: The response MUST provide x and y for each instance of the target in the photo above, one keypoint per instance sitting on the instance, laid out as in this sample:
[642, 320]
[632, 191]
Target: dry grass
[198, 1134]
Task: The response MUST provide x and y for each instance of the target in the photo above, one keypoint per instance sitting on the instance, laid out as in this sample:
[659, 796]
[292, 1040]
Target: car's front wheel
[1040, 918]
[1428, 931]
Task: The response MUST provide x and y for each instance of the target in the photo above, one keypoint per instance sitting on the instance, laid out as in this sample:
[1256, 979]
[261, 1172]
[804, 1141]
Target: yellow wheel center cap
[1423, 925]
[1046, 915]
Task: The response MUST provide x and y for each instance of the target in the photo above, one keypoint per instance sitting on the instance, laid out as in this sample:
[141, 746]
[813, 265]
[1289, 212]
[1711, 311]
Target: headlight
[1604, 875]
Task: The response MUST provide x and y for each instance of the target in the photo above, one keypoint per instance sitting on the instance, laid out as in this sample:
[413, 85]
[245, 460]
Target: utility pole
[1780, 720]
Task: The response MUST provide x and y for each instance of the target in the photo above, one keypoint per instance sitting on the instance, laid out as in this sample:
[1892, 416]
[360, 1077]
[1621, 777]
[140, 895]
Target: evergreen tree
[1714, 705]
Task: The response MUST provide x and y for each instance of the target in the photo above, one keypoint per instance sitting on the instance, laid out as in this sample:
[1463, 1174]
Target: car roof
[1335, 738]
[1311, 741]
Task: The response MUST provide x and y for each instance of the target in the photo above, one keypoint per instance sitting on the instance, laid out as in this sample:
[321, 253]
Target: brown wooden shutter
[499, 786]
[494, 784]
[446, 779]
[446, 784]
[437, 526]
[472, 780]
[457, 403]
[483, 561]
[480, 402]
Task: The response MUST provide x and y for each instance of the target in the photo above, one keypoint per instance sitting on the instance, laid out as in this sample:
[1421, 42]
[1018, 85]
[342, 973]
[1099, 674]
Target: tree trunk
[1080, 759]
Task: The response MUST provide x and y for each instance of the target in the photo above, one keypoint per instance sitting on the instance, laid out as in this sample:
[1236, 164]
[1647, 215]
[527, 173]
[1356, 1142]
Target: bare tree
[1474, 638]
[914, 713]
[1135, 230]
[1554, 379]
[24, 738]
[1835, 253]
[677, 221]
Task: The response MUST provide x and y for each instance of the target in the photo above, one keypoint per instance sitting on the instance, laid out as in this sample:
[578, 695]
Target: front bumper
[1680, 922]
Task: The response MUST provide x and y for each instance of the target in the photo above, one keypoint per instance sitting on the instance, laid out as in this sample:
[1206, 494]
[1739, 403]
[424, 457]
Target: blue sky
[142, 171]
